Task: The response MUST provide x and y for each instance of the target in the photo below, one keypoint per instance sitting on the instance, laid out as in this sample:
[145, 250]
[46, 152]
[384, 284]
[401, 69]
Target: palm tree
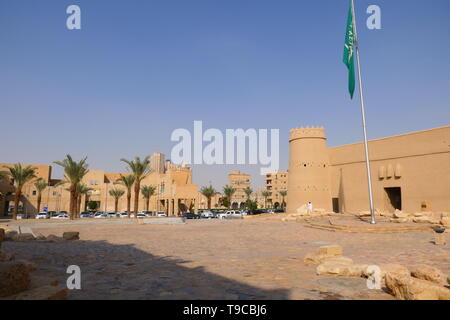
[265, 194]
[228, 191]
[116, 194]
[208, 192]
[127, 182]
[248, 192]
[20, 176]
[74, 173]
[140, 169]
[83, 190]
[283, 194]
[40, 186]
[148, 192]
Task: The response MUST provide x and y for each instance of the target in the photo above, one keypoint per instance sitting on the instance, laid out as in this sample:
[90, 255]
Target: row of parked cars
[98, 215]
[223, 214]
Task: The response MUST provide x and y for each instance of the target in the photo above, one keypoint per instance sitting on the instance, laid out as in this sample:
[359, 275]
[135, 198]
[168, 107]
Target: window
[34, 192]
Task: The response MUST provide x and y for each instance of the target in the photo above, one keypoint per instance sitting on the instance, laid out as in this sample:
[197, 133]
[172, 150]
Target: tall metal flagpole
[363, 112]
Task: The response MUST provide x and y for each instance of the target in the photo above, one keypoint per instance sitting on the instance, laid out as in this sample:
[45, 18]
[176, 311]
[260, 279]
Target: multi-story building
[239, 181]
[175, 192]
[158, 162]
[275, 183]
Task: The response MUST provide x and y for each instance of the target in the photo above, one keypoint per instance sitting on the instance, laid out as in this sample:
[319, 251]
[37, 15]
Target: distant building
[239, 181]
[410, 172]
[175, 192]
[276, 182]
[158, 163]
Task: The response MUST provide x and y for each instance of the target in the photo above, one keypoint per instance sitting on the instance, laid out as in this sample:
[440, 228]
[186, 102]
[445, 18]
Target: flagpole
[363, 112]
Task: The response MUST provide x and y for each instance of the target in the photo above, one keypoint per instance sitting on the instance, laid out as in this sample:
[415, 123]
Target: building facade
[174, 195]
[239, 181]
[275, 183]
[410, 172]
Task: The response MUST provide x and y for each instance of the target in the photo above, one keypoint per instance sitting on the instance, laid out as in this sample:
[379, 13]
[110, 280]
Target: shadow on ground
[110, 271]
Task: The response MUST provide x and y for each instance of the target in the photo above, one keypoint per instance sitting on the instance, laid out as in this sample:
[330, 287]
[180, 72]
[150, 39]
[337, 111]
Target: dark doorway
[394, 198]
[336, 205]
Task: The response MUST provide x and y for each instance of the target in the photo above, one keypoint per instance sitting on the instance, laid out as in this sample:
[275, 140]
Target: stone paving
[213, 259]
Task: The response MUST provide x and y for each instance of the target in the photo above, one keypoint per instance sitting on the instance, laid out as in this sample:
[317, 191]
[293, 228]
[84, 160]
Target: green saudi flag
[348, 51]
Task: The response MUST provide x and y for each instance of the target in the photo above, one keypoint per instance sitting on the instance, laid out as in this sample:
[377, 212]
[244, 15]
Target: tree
[127, 182]
[208, 192]
[92, 205]
[20, 176]
[83, 190]
[74, 173]
[116, 194]
[265, 194]
[148, 192]
[40, 186]
[248, 192]
[139, 169]
[228, 191]
[283, 195]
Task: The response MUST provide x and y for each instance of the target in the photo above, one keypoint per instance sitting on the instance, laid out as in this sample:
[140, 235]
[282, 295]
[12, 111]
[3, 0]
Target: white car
[61, 216]
[123, 215]
[42, 215]
[228, 214]
[141, 215]
[207, 214]
[100, 215]
[161, 214]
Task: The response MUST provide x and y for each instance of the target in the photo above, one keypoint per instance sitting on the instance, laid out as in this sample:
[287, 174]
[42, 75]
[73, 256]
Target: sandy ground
[213, 259]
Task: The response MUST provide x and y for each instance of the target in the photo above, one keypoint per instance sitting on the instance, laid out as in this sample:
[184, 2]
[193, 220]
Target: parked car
[61, 216]
[85, 215]
[123, 215]
[229, 213]
[42, 215]
[141, 215]
[161, 214]
[191, 215]
[207, 214]
[100, 215]
[147, 213]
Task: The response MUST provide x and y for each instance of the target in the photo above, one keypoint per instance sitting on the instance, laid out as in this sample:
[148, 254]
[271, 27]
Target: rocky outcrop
[405, 287]
[428, 273]
[71, 235]
[11, 235]
[342, 270]
[14, 277]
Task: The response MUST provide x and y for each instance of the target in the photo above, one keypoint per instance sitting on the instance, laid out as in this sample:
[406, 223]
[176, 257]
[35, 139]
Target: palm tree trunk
[17, 195]
[78, 205]
[137, 187]
[209, 203]
[148, 203]
[116, 204]
[128, 203]
[39, 199]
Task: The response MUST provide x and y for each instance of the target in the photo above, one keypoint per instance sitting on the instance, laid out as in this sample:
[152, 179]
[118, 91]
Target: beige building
[175, 192]
[158, 162]
[410, 172]
[239, 181]
[276, 182]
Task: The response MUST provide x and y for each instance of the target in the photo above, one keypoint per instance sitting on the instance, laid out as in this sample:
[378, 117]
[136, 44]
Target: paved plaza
[258, 258]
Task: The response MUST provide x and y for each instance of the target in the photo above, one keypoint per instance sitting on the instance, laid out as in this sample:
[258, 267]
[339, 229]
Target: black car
[191, 215]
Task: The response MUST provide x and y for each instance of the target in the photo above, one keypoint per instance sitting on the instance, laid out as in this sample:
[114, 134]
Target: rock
[422, 214]
[428, 273]
[331, 250]
[405, 287]
[2, 235]
[317, 259]
[11, 235]
[399, 214]
[303, 210]
[448, 280]
[40, 237]
[53, 238]
[387, 214]
[364, 214]
[445, 221]
[14, 277]
[44, 293]
[5, 256]
[339, 260]
[319, 211]
[393, 268]
[426, 219]
[25, 237]
[342, 270]
[71, 235]
[399, 220]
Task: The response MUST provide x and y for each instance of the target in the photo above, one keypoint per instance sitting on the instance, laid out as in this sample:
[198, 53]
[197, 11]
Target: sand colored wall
[309, 169]
[418, 163]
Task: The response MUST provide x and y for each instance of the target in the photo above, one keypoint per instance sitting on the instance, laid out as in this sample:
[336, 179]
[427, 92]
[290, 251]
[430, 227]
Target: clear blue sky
[140, 69]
